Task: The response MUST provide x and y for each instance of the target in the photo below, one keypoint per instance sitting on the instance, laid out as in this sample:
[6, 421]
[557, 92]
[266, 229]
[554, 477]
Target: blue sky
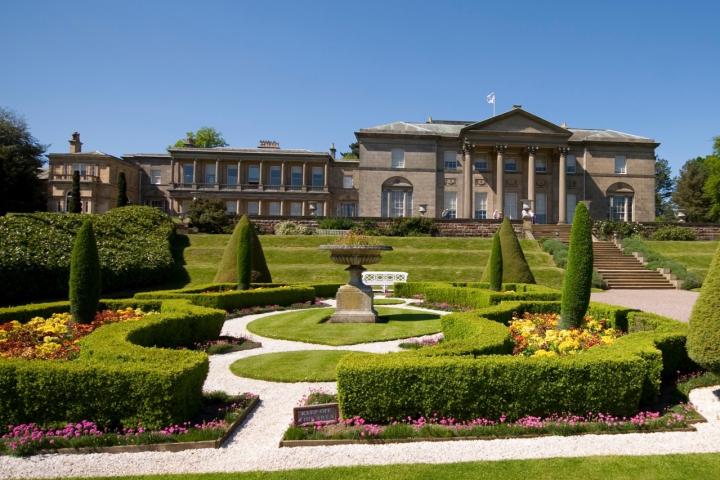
[134, 76]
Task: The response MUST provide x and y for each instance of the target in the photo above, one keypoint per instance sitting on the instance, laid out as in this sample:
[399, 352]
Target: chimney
[75, 143]
[269, 144]
[517, 107]
[333, 150]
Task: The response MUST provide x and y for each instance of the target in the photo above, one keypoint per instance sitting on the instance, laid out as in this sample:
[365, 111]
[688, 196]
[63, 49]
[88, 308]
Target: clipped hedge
[476, 294]
[133, 244]
[125, 372]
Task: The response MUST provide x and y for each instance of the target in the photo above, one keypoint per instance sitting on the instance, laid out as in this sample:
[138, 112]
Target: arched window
[397, 198]
[620, 202]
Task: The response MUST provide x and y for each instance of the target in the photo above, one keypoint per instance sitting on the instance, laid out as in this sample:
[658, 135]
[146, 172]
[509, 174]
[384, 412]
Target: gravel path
[675, 304]
[255, 445]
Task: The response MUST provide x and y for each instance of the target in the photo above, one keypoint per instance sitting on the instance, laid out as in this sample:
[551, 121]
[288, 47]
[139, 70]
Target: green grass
[297, 259]
[388, 301]
[310, 326]
[696, 256]
[658, 467]
[298, 366]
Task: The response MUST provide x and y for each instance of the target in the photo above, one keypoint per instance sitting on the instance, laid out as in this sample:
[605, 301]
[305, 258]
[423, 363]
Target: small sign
[325, 412]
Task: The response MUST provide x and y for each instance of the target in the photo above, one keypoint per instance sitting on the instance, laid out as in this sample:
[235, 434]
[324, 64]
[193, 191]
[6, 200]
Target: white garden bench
[383, 279]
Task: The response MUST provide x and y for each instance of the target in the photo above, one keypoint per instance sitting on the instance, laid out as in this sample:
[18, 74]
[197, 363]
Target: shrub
[227, 271]
[84, 275]
[655, 260]
[216, 296]
[368, 227]
[515, 266]
[209, 216]
[578, 275]
[341, 223]
[704, 335]
[673, 233]
[557, 249]
[122, 198]
[605, 229]
[291, 228]
[496, 264]
[411, 227]
[75, 199]
[244, 253]
[477, 296]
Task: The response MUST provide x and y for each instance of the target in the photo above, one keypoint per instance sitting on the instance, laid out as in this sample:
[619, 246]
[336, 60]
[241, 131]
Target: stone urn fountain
[355, 299]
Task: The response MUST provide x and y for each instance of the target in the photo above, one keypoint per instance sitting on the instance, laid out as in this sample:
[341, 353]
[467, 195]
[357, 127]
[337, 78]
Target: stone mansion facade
[448, 169]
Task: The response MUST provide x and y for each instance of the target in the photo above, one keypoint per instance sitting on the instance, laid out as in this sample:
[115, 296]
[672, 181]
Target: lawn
[310, 326]
[659, 467]
[297, 259]
[297, 366]
[696, 256]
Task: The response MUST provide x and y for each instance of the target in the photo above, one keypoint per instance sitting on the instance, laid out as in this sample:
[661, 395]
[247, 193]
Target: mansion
[436, 169]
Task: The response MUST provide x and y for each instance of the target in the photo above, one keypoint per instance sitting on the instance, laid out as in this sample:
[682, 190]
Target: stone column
[172, 171]
[562, 186]
[194, 172]
[626, 212]
[262, 175]
[282, 208]
[531, 176]
[282, 177]
[217, 172]
[499, 180]
[467, 179]
[239, 177]
[304, 179]
[325, 177]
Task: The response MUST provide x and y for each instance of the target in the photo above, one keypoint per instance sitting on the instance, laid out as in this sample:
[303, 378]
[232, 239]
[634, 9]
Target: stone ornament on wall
[450, 181]
[479, 182]
[540, 183]
[511, 183]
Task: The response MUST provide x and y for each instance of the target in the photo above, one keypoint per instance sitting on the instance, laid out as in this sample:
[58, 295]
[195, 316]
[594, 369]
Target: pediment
[517, 121]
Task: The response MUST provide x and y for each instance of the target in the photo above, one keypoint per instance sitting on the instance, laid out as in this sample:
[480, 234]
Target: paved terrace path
[255, 445]
[675, 304]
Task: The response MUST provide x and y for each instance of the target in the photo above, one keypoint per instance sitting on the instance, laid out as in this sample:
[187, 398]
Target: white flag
[491, 98]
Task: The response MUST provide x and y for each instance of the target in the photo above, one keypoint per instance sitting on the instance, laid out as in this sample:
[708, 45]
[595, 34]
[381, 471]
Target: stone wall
[703, 231]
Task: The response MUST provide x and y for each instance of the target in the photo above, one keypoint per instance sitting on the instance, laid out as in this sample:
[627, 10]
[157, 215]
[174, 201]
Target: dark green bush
[411, 227]
[578, 275]
[472, 297]
[655, 260]
[84, 275]
[496, 264]
[75, 199]
[209, 216]
[227, 271]
[230, 300]
[122, 198]
[515, 266]
[133, 244]
[673, 233]
[340, 223]
[368, 227]
[244, 253]
[557, 249]
[704, 335]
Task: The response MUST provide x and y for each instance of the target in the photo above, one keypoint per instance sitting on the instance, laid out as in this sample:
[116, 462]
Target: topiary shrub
[578, 275]
[496, 264]
[244, 253]
[703, 342]
[122, 198]
[84, 275]
[75, 200]
[515, 266]
[227, 271]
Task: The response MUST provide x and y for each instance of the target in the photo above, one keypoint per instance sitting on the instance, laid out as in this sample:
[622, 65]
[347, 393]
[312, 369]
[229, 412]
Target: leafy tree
[209, 216]
[75, 200]
[122, 198]
[244, 254]
[711, 188]
[664, 185]
[20, 161]
[578, 274]
[84, 275]
[515, 267]
[205, 137]
[496, 264]
[689, 191]
[703, 340]
[227, 271]
[354, 152]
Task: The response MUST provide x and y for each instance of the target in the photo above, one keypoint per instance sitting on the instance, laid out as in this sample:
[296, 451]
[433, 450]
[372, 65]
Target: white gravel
[255, 445]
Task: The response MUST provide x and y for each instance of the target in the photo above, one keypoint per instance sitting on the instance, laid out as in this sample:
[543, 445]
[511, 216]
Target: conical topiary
[84, 275]
[703, 340]
[75, 200]
[515, 266]
[244, 253]
[496, 264]
[227, 271]
[578, 273]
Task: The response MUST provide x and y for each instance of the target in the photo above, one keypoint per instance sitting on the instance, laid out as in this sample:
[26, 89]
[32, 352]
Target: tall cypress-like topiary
[75, 200]
[84, 275]
[579, 270]
[244, 253]
[227, 271]
[122, 198]
[703, 340]
[515, 266]
[496, 264]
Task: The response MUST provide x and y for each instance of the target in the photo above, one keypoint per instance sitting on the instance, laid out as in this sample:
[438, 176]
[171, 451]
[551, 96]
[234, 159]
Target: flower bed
[56, 337]
[219, 416]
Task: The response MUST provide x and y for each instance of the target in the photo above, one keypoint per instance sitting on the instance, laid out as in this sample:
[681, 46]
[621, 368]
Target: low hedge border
[470, 374]
[126, 372]
[475, 294]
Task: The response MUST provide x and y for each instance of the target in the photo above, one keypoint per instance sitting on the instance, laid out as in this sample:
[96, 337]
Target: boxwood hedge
[476, 294]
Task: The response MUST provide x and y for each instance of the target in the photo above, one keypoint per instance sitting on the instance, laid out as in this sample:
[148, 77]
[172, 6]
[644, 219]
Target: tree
[20, 162]
[703, 339]
[578, 273]
[244, 254]
[664, 185]
[689, 190]
[84, 275]
[515, 266]
[75, 199]
[354, 152]
[209, 216]
[711, 188]
[227, 271]
[204, 137]
[122, 198]
[496, 264]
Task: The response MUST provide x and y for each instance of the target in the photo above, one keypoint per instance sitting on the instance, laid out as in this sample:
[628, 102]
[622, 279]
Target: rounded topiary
[496, 264]
[84, 275]
[515, 266]
[579, 271]
[244, 253]
[227, 271]
[703, 340]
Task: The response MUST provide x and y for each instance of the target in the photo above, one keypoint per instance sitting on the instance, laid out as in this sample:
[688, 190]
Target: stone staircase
[559, 232]
[625, 271]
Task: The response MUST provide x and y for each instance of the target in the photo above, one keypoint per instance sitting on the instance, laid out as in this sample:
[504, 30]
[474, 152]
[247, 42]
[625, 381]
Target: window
[621, 208]
[510, 209]
[231, 207]
[481, 164]
[316, 209]
[540, 165]
[295, 209]
[253, 208]
[296, 177]
[155, 177]
[347, 209]
[397, 203]
[159, 204]
[451, 160]
[511, 165]
[450, 205]
[620, 164]
[481, 205]
[79, 167]
[232, 175]
[571, 164]
[541, 207]
[254, 174]
[318, 177]
[210, 173]
[188, 173]
[571, 202]
[397, 158]
[348, 181]
[275, 178]
[274, 209]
